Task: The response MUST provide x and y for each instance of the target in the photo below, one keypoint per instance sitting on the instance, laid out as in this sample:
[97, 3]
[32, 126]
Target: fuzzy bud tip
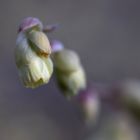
[28, 23]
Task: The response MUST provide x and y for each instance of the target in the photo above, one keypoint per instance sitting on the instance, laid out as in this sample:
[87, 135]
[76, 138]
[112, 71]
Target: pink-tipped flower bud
[89, 103]
[30, 22]
[32, 54]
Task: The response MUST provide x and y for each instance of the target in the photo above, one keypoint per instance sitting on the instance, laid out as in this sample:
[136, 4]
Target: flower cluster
[36, 59]
[68, 69]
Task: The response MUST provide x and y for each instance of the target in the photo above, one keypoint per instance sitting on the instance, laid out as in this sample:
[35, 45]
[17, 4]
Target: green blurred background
[105, 33]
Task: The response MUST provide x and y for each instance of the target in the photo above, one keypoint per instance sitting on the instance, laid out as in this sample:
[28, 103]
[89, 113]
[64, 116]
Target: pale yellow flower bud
[69, 72]
[34, 70]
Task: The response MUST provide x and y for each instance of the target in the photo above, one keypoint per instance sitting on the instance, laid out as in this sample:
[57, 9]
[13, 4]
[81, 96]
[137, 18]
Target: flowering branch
[36, 59]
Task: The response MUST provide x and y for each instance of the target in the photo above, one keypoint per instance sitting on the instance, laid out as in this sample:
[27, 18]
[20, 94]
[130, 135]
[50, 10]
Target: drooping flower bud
[89, 103]
[69, 71]
[32, 54]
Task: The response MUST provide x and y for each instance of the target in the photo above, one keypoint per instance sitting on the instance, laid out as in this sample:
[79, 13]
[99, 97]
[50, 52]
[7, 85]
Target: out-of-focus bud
[129, 95]
[116, 126]
[89, 103]
[124, 130]
[68, 69]
[121, 128]
[32, 55]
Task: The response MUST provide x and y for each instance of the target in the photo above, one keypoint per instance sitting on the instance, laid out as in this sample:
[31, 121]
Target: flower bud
[89, 104]
[129, 94]
[32, 56]
[115, 126]
[121, 127]
[66, 60]
[69, 72]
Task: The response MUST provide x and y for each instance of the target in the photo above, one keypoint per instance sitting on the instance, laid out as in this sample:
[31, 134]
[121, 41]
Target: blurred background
[105, 33]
